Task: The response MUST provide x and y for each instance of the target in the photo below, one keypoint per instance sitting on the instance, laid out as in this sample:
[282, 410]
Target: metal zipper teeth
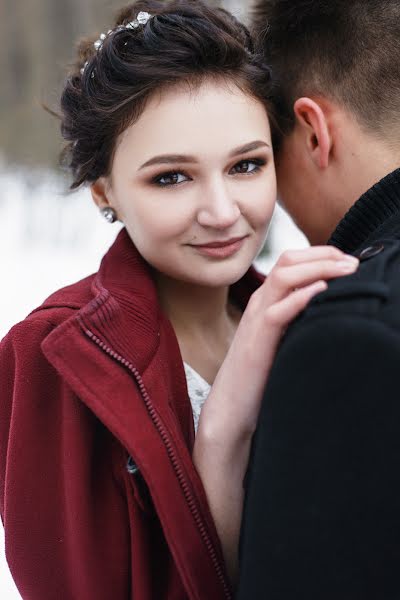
[175, 463]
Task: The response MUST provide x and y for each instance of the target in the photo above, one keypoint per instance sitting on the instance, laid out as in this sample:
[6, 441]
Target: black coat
[322, 510]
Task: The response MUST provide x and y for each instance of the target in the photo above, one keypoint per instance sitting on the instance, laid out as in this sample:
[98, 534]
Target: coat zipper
[172, 456]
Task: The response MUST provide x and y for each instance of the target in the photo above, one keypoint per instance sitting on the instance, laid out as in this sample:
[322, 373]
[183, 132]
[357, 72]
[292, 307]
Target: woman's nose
[218, 207]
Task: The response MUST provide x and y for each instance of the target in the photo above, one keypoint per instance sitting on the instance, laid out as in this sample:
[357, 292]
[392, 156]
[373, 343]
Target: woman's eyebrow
[168, 159]
[250, 147]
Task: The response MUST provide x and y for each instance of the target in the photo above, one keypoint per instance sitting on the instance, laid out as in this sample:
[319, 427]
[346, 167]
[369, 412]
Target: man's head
[337, 71]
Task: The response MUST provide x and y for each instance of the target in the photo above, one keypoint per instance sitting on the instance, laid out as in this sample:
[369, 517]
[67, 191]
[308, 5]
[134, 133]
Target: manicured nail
[347, 265]
[350, 259]
[320, 286]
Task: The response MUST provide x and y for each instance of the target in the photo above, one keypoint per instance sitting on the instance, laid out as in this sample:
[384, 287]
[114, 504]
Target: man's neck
[376, 209]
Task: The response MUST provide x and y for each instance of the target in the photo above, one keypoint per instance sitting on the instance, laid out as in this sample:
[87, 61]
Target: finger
[283, 312]
[283, 280]
[291, 257]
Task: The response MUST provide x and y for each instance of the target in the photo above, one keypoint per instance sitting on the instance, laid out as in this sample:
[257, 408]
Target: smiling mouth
[220, 250]
[222, 244]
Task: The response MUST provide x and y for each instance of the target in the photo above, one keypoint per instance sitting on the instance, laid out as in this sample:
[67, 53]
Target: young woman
[106, 489]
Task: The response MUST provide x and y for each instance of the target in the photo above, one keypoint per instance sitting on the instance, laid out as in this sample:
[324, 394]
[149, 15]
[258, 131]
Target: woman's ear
[101, 192]
[312, 121]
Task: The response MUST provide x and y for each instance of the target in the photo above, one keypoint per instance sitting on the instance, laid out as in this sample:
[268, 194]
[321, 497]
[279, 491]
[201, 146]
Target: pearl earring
[109, 214]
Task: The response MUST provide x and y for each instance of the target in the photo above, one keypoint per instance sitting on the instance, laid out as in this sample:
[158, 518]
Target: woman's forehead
[213, 118]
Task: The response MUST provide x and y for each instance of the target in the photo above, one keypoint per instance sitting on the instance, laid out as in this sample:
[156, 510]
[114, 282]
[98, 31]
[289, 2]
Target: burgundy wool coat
[98, 493]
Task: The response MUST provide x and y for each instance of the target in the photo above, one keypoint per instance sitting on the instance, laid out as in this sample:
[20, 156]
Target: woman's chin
[220, 275]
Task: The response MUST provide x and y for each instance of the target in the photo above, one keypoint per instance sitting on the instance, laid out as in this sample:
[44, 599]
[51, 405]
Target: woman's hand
[229, 415]
[237, 390]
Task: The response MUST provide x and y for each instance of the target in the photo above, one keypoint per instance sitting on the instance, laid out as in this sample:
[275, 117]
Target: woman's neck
[203, 319]
[193, 306]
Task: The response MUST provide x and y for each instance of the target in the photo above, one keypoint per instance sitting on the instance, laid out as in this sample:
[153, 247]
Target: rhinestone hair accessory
[141, 20]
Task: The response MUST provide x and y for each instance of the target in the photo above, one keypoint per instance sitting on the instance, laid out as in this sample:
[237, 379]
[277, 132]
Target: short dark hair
[185, 41]
[346, 50]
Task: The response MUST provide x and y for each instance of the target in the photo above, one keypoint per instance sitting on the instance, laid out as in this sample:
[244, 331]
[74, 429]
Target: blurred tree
[36, 43]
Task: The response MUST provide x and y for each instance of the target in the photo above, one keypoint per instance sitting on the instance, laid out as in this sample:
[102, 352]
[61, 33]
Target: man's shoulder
[372, 292]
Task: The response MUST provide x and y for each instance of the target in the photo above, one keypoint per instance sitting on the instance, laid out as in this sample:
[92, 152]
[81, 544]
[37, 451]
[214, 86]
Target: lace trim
[198, 390]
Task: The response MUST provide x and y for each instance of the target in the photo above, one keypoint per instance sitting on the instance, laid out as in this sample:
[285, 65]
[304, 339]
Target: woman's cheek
[261, 213]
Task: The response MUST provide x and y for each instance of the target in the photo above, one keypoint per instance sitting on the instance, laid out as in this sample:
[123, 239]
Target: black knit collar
[375, 213]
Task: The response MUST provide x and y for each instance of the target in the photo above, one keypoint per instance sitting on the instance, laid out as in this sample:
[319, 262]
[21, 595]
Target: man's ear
[101, 192]
[313, 124]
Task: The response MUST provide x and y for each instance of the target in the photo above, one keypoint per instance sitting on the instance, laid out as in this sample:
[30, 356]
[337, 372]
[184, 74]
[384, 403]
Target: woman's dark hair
[185, 41]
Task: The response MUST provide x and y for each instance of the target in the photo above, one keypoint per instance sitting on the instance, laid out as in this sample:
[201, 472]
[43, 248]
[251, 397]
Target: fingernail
[347, 265]
[350, 259]
[320, 286]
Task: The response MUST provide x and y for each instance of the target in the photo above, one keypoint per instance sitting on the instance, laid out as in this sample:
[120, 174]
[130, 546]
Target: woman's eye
[172, 178]
[248, 166]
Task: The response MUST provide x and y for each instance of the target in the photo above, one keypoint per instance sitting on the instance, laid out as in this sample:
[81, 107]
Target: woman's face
[193, 181]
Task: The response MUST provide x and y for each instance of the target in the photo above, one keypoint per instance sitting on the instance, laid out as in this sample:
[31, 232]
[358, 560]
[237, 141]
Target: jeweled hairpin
[141, 19]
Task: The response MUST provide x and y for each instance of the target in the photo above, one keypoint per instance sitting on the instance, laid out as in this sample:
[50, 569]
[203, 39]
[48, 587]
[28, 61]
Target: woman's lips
[220, 249]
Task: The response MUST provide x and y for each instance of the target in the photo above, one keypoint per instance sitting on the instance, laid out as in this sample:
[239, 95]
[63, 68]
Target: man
[322, 511]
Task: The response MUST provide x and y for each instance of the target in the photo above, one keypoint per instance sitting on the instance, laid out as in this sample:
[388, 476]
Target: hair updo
[106, 91]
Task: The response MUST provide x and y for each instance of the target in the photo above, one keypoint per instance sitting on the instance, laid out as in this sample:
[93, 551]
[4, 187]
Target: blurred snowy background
[49, 239]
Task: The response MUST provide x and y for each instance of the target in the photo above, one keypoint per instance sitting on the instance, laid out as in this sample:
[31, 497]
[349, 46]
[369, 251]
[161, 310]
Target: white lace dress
[198, 389]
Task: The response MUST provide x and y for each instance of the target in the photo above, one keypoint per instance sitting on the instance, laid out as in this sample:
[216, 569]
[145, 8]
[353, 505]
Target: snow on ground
[49, 240]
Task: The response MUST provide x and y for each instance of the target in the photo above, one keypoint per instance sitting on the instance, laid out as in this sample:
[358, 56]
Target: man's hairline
[340, 104]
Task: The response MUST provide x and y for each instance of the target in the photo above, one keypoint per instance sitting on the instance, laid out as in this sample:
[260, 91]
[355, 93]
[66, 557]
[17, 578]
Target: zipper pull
[131, 466]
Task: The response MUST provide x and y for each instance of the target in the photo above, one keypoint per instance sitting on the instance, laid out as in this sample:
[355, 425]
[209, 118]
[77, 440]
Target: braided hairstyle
[184, 42]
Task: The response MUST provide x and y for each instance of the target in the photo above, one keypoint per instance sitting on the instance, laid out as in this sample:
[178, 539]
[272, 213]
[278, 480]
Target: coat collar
[375, 214]
[125, 311]
[124, 315]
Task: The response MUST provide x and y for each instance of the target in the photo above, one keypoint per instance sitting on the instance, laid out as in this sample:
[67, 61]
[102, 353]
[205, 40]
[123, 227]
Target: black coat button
[371, 251]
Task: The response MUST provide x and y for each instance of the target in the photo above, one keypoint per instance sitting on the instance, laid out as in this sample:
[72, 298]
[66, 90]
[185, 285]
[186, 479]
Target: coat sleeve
[52, 484]
[322, 509]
